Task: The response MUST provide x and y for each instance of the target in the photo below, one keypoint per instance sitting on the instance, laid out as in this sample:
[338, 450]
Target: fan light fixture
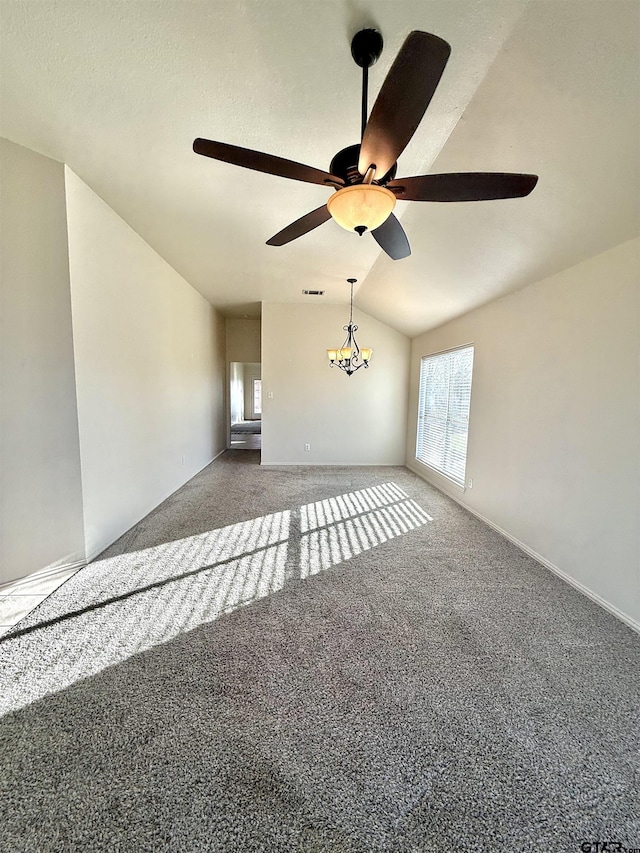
[349, 357]
[359, 202]
[361, 207]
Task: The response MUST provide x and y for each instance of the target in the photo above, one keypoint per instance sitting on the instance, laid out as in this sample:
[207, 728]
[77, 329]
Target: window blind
[443, 412]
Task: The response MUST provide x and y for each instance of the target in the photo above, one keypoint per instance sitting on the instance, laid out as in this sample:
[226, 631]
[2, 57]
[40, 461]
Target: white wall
[150, 372]
[347, 420]
[41, 498]
[554, 440]
[250, 372]
[236, 391]
[241, 376]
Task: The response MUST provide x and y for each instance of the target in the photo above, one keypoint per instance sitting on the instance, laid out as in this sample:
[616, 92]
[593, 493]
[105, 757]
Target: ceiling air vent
[313, 292]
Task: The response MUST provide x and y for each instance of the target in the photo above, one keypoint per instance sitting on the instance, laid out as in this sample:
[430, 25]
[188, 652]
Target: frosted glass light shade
[366, 353]
[361, 205]
[332, 354]
[345, 353]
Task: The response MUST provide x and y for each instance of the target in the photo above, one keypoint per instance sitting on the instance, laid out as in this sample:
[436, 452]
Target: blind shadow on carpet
[209, 574]
[368, 668]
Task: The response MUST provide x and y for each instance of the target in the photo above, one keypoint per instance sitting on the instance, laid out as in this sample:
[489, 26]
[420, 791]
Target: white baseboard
[41, 574]
[103, 547]
[585, 590]
[333, 465]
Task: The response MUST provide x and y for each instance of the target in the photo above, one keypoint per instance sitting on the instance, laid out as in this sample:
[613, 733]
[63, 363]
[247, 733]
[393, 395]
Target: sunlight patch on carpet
[123, 605]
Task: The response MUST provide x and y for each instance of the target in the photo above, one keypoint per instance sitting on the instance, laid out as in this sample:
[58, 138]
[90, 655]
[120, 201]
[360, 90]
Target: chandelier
[350, 357]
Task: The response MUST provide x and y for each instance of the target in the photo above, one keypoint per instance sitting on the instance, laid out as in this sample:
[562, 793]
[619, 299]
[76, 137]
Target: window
[443, 412]
[257, 396]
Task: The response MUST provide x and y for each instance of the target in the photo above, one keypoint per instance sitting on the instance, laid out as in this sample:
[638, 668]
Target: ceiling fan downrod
[365, 111]
[366, 47]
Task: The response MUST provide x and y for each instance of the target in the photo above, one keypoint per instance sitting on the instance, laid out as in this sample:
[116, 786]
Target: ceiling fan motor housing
[345, 165]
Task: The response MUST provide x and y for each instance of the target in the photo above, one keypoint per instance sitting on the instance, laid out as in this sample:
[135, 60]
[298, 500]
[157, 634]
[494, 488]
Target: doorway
[245, 399]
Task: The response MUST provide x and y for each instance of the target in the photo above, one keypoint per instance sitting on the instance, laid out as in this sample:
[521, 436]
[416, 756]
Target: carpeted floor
[335, 660]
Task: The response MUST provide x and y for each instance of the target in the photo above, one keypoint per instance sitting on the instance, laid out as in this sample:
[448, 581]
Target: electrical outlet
[307, 447]
[270, 395]
[470, 484]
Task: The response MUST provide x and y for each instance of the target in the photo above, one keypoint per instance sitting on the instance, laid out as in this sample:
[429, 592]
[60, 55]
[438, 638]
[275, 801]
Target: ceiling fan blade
[390, 236]
[249, 159]
[402, 100]
[463, 186]
[300, 226]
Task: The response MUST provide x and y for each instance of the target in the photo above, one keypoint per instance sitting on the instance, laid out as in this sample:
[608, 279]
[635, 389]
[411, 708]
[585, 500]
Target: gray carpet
[311, 660]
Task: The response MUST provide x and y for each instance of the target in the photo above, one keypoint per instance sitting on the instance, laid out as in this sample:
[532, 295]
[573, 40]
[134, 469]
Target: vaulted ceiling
[119, 91]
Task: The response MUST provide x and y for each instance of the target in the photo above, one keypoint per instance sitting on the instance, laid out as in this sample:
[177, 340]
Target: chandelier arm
[354, 329]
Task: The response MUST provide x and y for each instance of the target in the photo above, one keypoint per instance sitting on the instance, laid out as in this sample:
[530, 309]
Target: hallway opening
[245, 397]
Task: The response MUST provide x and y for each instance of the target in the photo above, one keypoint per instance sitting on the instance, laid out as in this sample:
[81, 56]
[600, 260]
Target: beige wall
[243, 340]
[41, 498]
[554, 446]
[249, 373]
[150, 370]
[347, 420]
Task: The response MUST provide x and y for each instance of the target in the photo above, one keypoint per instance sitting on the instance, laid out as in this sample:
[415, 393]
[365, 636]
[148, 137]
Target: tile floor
[21, 596]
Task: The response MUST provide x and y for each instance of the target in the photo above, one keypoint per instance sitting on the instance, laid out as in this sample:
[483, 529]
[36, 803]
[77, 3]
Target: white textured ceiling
[119, 90]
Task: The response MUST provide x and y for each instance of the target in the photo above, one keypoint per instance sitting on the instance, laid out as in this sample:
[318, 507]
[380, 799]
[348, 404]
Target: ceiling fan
[364, 176]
